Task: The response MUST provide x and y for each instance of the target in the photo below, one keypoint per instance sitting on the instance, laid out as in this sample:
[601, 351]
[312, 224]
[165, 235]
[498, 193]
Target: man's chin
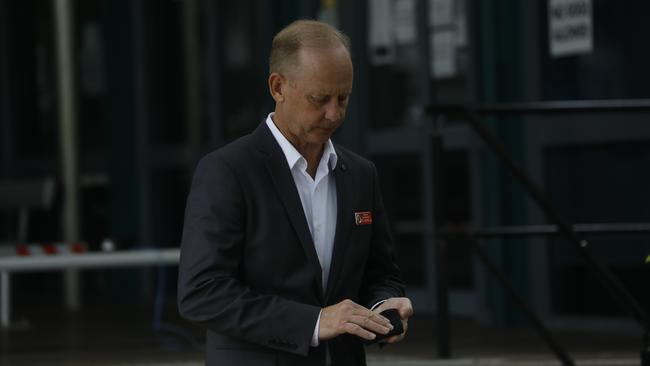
[321, 136]
[323, 140]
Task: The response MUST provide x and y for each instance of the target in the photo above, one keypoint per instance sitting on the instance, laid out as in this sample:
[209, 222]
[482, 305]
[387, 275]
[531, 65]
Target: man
[286, 248]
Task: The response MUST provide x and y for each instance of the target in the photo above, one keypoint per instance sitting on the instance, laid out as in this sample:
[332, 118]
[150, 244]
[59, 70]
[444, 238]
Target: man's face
[316, 95]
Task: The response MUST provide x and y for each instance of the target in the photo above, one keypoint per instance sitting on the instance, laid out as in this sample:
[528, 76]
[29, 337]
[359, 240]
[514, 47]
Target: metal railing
[472, 114]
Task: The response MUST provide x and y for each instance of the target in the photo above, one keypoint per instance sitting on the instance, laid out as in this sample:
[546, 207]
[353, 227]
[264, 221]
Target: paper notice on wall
[380, 35]
[404, 20]
[570, 27]
[461, 23]
[443, 60]
[441, 12]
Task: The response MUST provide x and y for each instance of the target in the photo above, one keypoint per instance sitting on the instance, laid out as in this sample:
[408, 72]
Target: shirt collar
[292, 155]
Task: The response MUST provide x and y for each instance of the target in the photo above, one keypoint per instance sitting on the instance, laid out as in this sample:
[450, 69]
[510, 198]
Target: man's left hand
[405, 309]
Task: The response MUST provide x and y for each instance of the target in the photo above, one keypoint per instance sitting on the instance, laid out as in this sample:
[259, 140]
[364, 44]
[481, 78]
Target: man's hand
[350, 317]
[405, 309]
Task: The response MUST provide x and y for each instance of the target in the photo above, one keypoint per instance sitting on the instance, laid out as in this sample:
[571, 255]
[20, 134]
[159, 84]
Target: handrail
[630, 228]
[472, 114]
[547, 107]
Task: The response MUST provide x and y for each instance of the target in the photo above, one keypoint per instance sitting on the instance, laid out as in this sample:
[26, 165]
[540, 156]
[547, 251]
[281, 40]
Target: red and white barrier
[40, 249]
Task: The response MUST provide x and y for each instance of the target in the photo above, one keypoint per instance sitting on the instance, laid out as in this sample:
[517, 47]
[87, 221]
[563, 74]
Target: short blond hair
[299, 34]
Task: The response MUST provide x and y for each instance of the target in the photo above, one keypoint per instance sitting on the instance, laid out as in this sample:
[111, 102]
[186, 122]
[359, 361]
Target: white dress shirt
[318, 198]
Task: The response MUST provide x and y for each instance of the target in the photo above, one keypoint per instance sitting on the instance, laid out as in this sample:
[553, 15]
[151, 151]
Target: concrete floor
[123, 335]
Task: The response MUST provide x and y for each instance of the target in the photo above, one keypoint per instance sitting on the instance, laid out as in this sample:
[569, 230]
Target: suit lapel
[286, 188]
[343, 179]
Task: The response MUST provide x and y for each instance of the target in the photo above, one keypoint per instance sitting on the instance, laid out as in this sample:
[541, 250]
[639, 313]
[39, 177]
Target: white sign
[570, 27]
[443, 62]
[440, 12]
[405, 21]
[381, 41]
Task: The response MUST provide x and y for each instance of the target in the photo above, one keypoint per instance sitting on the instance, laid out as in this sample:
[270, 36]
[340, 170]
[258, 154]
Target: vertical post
[443, 333]
[5, 300]
[141, 51]
[352, 19]
[192, 68]
[6, 147]
[426, 92]
[214, 71]
[645, 353]
[143, 23]
[64, 21]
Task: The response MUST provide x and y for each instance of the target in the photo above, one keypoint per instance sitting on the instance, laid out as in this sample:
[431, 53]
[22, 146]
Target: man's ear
[277, 84]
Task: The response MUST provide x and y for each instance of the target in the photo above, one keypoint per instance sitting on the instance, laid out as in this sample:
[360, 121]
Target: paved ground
[123, 336]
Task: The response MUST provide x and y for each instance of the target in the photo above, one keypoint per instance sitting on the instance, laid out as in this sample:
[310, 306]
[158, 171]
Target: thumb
[405, 309]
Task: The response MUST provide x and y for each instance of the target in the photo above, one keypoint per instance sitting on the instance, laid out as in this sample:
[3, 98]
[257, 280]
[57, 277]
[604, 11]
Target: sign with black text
[570, 27]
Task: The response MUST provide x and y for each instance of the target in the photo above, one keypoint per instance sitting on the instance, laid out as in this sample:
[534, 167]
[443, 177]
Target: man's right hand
[350, 317]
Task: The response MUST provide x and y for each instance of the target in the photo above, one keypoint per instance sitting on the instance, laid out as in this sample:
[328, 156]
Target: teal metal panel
[120, 124]
[499, 50]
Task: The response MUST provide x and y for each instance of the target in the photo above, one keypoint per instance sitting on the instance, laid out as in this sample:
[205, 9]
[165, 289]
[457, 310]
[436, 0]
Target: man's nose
[334, 111]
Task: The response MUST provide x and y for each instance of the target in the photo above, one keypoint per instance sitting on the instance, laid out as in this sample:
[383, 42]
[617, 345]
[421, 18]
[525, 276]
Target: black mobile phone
[395, 320]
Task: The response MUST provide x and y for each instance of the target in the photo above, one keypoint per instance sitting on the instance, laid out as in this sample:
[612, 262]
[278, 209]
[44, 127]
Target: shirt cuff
[377, 304]
[314, 337]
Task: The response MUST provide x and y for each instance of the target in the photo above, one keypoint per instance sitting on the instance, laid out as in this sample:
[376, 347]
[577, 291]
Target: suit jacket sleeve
[209, 291]
[382, 278]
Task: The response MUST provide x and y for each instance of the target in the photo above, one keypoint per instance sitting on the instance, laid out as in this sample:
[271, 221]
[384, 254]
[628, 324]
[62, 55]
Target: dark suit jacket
[249, 272]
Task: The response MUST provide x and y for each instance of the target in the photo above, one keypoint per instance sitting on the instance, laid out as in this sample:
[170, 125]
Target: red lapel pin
[363, 218]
